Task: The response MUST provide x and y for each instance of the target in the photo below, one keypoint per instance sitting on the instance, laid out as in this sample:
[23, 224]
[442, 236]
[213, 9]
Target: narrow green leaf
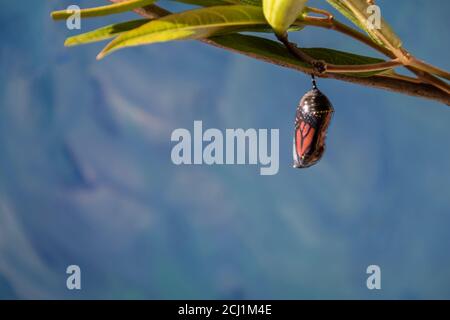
[104, 10]
[257, 3]
[274, 51]
[104, 32]
[346, 12]
[210, 3]
[356, 11]
[282, 13]
[339, 6]
[192, 24]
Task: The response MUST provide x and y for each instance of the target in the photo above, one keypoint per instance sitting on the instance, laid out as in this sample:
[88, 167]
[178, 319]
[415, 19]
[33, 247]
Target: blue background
[86, 176]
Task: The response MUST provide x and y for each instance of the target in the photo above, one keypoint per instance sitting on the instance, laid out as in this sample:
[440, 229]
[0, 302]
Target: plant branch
[395, 83]
[418, 70]
[429, 78]
[416, 66]
[322, 66]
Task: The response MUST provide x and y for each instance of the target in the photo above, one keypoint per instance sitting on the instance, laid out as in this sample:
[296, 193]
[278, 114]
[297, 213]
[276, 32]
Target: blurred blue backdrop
[86, 176]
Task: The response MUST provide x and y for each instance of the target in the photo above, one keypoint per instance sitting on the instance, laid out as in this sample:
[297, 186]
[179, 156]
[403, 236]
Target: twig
[319, 66]
[419, 70]
[433, 69]
[429, 78]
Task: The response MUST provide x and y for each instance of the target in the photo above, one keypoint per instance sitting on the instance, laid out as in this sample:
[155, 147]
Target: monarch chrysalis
[312, 118]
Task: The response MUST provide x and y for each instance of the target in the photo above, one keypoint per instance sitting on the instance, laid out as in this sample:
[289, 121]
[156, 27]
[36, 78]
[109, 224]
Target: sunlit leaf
[257, 3]
[104, 10]
[282, 13]
[104, 32]
[210, 3]
[338, 5]
[192, 24]
[356, 11]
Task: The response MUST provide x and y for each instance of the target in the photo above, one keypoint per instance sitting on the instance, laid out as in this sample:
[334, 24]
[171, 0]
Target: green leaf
[339, 6]
[104, 10]
[210, 3]
[257, 3]
[282, 13]
[104, 32]
[192, 24]
[356, 11]
[266, 49]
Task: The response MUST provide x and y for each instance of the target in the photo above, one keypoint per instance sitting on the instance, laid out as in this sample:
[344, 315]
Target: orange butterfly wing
[304, 138]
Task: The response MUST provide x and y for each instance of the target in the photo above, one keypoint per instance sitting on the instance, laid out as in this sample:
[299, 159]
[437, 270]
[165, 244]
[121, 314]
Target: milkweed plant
[234, 25]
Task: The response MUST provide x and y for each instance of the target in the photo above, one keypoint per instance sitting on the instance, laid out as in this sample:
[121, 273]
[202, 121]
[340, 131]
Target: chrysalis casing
[312, 118]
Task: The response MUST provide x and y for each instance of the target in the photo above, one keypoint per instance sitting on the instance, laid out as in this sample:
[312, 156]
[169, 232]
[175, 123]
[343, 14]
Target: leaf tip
[57, 15]
[105, 52]
[110, 48]
[100, 56]
[69, 42]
